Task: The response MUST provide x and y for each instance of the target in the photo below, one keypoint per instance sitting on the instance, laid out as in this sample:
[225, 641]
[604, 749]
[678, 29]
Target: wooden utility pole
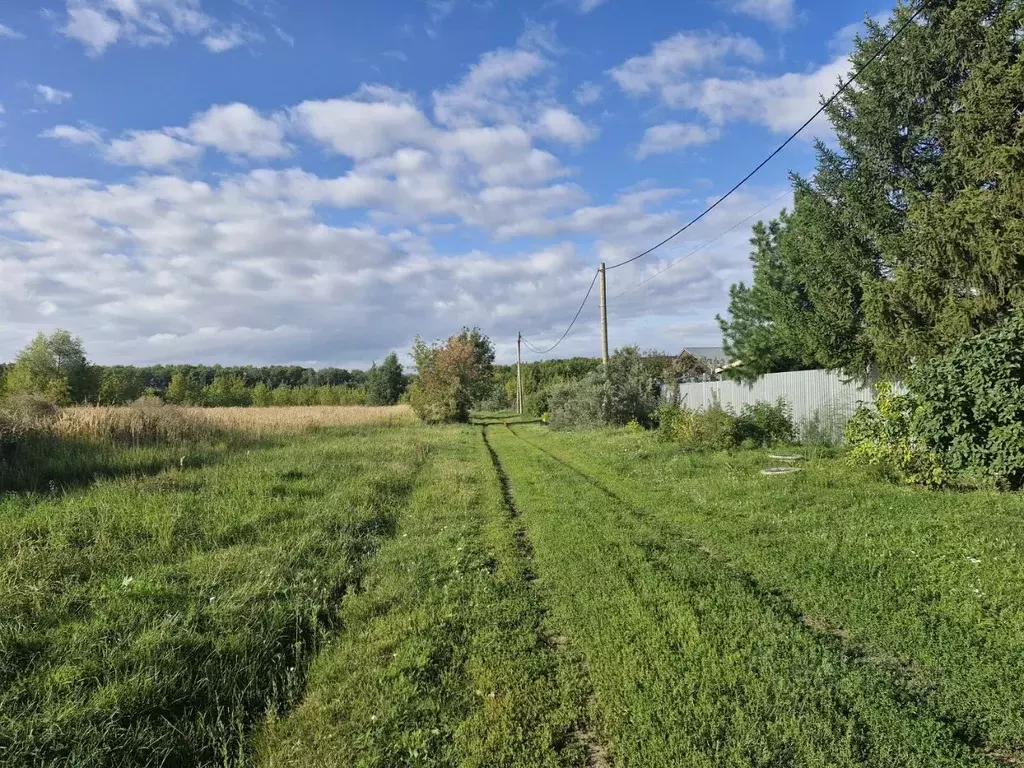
[604, 318]
[519, 374]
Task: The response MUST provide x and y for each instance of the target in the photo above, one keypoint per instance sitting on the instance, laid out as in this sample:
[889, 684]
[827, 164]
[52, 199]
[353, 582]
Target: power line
[704, 245]
[784, 144]
[575, 318]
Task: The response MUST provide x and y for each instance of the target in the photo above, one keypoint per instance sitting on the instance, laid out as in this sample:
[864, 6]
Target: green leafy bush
[578, 404]
[762, 424]
[825, 427]
[884, 437]
[969, 404]
[709, 429]
[623, 392]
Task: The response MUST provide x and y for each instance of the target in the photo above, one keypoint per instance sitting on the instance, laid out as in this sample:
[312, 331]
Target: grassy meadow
[344, 587]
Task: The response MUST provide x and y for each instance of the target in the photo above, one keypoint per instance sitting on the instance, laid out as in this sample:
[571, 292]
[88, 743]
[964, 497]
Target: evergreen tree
[909, 237]
[385, 383]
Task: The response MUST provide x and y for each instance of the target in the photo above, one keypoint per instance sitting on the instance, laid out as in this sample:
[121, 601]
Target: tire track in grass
[877, 723]
[900, 680]
[596, 749]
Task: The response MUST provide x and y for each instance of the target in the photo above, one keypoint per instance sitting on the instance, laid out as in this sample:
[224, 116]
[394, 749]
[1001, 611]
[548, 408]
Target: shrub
[615, 396]
[884, 437]
[711, 429]
[29, 409]
[763, 424]
[969, 404]
[578, 404]
[536, 403]
[452, 376]
[825, 427]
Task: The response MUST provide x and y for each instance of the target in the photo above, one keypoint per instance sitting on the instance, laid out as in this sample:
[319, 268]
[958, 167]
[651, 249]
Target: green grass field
[492, 595]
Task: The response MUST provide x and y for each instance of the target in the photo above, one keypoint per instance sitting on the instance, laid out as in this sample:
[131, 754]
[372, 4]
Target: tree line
[909, 237]
[55, 366]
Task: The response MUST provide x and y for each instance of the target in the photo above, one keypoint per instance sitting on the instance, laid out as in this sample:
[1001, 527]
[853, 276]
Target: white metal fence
[822, 397]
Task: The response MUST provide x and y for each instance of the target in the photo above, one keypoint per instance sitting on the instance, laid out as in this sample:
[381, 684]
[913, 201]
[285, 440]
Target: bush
[825, 427]
[763, 424]
[615, 396]
[969, 404]
[710, 429]
[452, 376]
[633, 393]
[29, 409]
[578, 404]
[884, 437]
[536, 403]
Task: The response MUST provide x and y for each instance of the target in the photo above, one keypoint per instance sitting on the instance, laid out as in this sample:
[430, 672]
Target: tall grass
[299, 418]
[153, 621]
[44, 448]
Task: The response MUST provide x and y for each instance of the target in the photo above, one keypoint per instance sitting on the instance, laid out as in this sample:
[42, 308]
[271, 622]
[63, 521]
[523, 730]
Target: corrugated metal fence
[824, 397]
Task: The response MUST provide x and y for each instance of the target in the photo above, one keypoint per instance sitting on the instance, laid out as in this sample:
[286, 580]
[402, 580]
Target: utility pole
[604, 318]
[519, 374]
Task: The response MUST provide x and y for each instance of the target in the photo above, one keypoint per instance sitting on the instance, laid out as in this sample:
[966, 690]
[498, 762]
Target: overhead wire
[574, 319]
[825, 105]
[704, 245]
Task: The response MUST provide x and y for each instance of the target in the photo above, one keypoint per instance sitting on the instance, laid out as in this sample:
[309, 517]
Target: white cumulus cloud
[99, 24]
[10, 34]
[150, 149]
[679, 56]
[780, 103]
[86, 135]
[669, 137]
[362, 129]
[778, 13]
[49, 95]
[560, 124]
[238, 129]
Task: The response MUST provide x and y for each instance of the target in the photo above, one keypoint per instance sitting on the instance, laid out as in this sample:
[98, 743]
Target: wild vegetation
[907, 239]
[55, 366]
[187, 582]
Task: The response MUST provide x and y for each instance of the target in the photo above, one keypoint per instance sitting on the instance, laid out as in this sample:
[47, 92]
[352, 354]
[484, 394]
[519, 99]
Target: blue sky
[248, 181]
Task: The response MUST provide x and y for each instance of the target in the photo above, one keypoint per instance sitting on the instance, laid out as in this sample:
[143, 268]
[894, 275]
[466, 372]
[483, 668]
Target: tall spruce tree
[385, 383]
[910, 236]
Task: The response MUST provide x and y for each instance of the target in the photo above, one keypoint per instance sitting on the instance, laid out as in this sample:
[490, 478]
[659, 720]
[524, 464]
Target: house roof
[707, 353]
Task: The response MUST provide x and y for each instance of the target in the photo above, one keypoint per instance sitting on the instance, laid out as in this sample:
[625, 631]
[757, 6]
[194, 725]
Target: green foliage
[120, 385]
[226, 391]
[543, 374]
[825, 427]
[708, 429]
[883, 437]
[578, 404]
[385, 384]
[452, 376]
[969, 404]
[181, 390]
[262, 395]
[53, 366]
[803, 309]
[907, 240]
[623, 392]
[761, 425]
